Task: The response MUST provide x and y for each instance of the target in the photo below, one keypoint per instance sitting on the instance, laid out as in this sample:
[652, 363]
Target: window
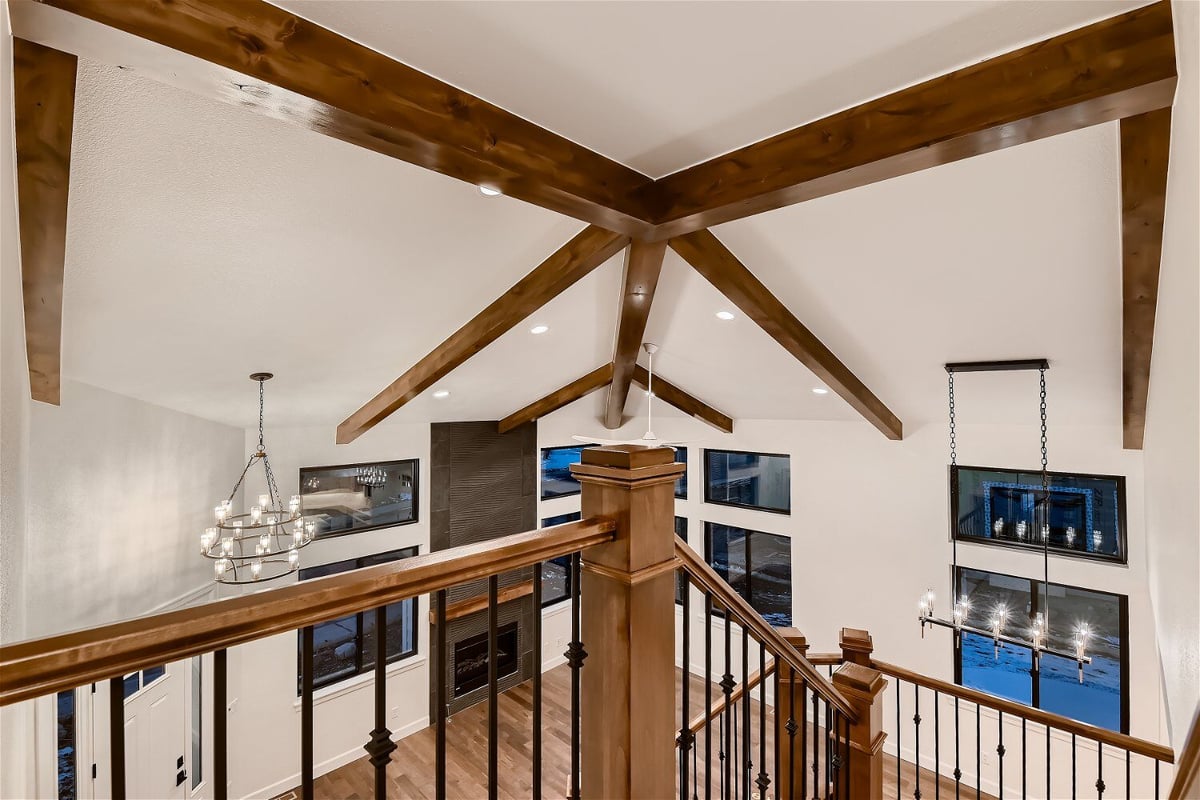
[681, 526]
[751, 480]
[345, 647]
[136, 681]
[67, 761]
[556, 573]
[358, 497]
[197, 722]
[557, 480]
[681, 484]
[757, 565]
[1102, 698]
[1086, 514]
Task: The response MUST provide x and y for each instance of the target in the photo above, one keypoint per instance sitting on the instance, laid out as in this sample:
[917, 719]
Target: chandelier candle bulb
[219, 568]
[264, 500]
[293, 557]
[255, 514]
[256, 569]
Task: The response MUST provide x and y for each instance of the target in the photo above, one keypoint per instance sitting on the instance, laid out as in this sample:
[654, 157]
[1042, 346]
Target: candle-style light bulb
[256, 569]
[255, 514]
[294, 503]
[264, 500]
[264, 542]
[293, 558]
[1097, 540]
[219, 567]
[226, 546]
[220, 512]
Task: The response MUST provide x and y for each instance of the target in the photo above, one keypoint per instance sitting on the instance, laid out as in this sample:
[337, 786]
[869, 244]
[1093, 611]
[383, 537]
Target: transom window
[346, 647]
[761, 481]
[1102, 699]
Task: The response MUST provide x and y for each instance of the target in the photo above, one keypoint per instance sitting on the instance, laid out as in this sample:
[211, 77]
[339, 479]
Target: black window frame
[1034, 543]
[542, 472]
[1035, 593]
[765, 509]
[562, 561]
[681, 487]
[416, 494]
[682, 532]
[360, 657]
[67, 765]
[708, 558]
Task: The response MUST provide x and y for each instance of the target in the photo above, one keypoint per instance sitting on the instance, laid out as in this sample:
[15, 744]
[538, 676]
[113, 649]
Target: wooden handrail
[1186, 785]
[707, 578]
[702, 719]
[1102, 735]
[37, 667]
[825, 659]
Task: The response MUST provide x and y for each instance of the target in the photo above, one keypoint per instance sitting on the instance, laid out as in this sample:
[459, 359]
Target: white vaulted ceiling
[206, 242]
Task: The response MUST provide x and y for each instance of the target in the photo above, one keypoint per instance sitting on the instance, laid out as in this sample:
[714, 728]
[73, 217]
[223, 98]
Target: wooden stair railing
[1187, 772]
[48, 665]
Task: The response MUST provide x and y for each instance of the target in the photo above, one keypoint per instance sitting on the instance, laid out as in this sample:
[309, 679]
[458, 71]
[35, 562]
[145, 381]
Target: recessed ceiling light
[539, 329]
[489, 191]
[441, 393]
[820, 390]
[724, 315]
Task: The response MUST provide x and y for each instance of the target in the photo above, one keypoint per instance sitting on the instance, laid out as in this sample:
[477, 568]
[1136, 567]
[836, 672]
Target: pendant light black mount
[999, 366]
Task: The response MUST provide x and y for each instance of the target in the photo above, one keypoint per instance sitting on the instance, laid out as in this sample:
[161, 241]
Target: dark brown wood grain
[308, 75]
[1116, 68]
[580, 387]
[731, 278]
[671, 394]
[42, 666]
[1145, 147]
[588, 250]
[43, 116]
[643, 264]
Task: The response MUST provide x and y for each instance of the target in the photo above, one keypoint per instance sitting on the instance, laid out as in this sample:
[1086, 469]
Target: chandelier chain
[1045, 498]
[953, 441]
[261, 444]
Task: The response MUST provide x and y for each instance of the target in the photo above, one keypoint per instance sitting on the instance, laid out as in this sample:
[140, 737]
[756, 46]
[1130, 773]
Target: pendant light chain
[1045, 499]
[953, 486]
[953, 442]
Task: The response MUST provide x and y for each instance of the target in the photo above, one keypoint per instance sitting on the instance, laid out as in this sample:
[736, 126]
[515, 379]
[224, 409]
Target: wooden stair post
[862, 686]
[791, 690]
[627, 701]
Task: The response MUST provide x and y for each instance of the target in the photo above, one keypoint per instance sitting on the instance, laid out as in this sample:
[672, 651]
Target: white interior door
[156, 739]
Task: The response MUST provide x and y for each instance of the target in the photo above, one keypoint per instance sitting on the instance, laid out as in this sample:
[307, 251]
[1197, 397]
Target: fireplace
[471, 659]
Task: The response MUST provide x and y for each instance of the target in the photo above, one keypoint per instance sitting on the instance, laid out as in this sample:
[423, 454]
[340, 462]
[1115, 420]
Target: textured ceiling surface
[206, 242]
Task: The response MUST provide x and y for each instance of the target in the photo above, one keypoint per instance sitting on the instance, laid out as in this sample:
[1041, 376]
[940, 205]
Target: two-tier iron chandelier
[1037, 637]
[263, 543]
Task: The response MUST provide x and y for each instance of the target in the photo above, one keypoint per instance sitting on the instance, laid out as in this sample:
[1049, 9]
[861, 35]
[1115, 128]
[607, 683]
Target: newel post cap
[633, 463]
[856, 646]
[795, 638]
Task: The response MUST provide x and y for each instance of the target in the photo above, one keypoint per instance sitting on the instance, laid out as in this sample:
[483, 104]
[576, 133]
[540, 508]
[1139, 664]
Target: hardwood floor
[410, 773]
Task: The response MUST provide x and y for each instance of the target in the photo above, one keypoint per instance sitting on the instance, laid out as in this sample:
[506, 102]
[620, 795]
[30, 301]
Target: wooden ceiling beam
[671, 394]
[1119, 67]
[1145, 147]
[731, 278]
[261, 57]
[643, 264]
[581, 387]
[44, 112]
[578, 257]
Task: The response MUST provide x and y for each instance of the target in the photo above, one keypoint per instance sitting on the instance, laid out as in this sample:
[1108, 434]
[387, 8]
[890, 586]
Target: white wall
[1172, 445]
[879, 510]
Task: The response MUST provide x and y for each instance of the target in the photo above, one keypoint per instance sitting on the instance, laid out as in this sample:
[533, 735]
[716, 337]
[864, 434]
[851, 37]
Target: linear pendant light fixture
[1037, 638]
[265, 542]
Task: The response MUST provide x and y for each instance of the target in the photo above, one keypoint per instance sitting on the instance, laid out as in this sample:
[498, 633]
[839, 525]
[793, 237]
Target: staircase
[752, 714]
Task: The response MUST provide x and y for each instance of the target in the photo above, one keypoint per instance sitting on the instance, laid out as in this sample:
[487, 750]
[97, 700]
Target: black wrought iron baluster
[727, 684]
[1000, 754]
[791, 728]
[978, 755]
[816, 743]
[441, 663]
[722, 723]
[899, 737]
[493, 709]
[575, 657]
[747, 763]
[708, 612]
[775, 730]
[1128, 796]
[803, 738]
[917, 740]
[829, 754]
[957, 765]
[1157, 764]
[380, 747]
[1047, 753]
[735, 754]
[937, 745]
[763, 781]
[220, 725]
[1073, 751]
[1023, 759]
[306, 715]
[1100, 787]
[685, 738]
[116, 736]
[537, 682]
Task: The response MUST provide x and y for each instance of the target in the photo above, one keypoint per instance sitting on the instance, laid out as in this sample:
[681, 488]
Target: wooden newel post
[862, 686]
[627, 698]
[790, 705]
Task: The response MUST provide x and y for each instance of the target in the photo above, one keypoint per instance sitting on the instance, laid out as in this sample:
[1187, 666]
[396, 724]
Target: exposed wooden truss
[588, 250]
[1145, 145]
[643, 264]
[44, 105]
[261, 57]
[581, 387]
[265, 59]
[731, 278]
[673, 395]
[1116, 68]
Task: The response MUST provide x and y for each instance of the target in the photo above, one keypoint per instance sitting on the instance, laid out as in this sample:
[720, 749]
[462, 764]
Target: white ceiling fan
[648, 439]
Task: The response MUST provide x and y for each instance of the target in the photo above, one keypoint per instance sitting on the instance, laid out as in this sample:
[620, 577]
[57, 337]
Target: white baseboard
[330, 764]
